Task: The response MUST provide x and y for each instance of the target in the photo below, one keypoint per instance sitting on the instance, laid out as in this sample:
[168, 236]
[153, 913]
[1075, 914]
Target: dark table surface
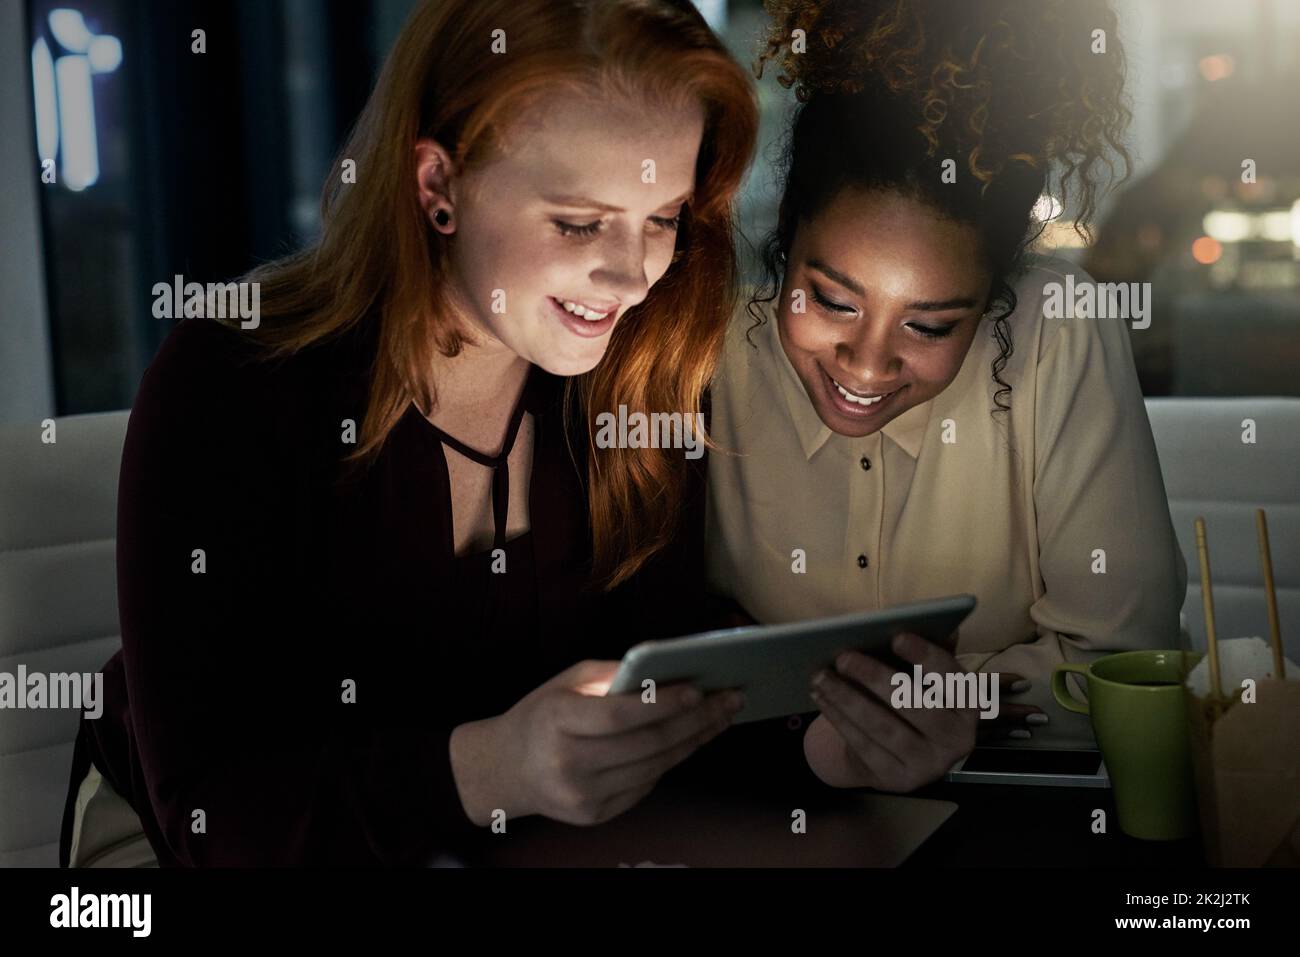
[1014, 826]
[993, 826]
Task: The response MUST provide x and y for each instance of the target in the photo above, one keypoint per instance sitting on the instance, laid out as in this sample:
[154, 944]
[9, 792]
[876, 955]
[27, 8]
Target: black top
[298, 643]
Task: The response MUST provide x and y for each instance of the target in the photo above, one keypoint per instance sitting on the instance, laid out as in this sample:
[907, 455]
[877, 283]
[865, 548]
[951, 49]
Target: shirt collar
[906, 430]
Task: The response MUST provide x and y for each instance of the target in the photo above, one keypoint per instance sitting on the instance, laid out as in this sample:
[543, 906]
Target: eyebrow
[583, 202]
[936, 305]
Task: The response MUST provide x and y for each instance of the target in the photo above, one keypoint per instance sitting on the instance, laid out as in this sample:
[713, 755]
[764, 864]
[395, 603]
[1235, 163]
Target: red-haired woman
[353, 581]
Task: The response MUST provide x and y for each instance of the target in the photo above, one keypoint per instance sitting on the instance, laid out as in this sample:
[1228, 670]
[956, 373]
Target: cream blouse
[1053, 515]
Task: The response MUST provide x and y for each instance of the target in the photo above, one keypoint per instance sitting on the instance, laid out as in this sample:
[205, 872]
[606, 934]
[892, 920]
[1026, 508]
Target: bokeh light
[1207, 251]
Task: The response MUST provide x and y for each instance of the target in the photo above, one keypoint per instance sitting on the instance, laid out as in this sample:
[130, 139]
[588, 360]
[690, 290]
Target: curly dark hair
[1010, 88]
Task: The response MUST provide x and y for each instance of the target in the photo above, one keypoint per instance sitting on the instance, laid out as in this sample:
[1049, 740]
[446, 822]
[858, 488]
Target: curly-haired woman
[897, 417]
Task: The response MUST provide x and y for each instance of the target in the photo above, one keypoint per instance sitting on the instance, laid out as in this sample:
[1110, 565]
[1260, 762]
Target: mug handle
[1061, 691]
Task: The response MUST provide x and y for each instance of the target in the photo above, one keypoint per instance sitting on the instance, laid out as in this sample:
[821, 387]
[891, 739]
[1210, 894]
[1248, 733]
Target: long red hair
[379, 261]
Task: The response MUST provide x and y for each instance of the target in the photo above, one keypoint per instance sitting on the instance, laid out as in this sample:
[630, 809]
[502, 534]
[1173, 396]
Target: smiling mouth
[589, 313]
[859, 398]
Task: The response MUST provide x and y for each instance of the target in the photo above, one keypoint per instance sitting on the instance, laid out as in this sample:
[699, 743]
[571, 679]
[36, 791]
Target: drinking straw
[1266, 560]
[1207, 600]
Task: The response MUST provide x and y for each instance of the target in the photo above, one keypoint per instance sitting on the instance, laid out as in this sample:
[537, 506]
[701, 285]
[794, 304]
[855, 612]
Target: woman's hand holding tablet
[571, 752]
[852, 745]
[859, 740]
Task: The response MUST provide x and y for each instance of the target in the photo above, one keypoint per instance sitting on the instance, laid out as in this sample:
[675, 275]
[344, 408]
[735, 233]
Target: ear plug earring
[442, 217]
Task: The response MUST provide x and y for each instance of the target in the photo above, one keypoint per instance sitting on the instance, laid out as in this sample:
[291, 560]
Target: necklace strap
[499, 463]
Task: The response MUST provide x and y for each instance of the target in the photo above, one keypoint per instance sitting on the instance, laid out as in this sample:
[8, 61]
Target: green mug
[1135, 700]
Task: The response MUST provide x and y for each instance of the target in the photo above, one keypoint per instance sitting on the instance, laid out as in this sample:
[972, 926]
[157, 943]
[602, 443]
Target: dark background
[211, 164]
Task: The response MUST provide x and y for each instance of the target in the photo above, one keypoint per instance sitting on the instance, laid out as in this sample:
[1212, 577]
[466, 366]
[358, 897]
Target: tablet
[774, 664]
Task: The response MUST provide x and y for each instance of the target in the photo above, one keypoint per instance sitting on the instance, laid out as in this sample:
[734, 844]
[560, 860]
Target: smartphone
[1033, 766]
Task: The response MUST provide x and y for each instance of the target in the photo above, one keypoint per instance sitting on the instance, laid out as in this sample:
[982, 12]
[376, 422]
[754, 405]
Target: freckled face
[893, 297]
[565, 219]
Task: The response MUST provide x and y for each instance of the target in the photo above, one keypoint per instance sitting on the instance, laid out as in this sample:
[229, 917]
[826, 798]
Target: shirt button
[866, 464]
[862, 561]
